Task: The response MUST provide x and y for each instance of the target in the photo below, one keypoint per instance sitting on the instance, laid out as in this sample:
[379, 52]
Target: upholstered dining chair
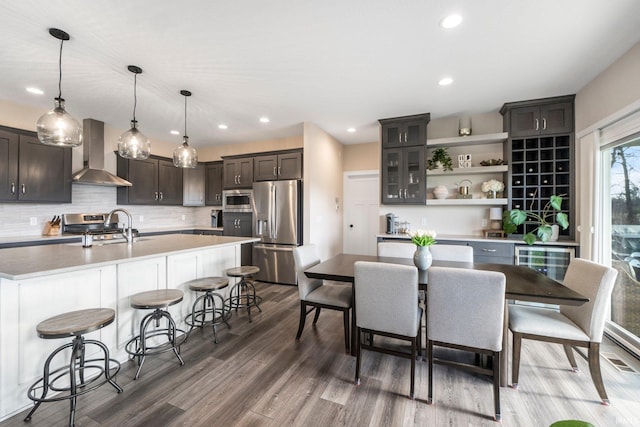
[466, 312]
[458, 253]
[396, 249]
[572, 326]
[387, 305]
[315, 294]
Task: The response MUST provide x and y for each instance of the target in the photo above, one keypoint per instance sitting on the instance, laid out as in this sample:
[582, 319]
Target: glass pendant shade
[185, 156]
[57, 127]
[133, 144]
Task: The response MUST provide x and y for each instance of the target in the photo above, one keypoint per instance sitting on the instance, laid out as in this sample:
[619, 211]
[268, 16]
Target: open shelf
[463, 202]
[469, 171]
[490, 138]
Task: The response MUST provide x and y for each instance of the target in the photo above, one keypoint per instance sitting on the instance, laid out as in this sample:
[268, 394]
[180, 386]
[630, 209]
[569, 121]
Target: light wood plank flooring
[258, 375]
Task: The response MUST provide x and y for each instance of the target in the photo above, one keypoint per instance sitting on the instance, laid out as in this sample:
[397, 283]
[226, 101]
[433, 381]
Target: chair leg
[345, 318]
[594, 368]
[430, 357]
[568, 350]
[496, 384]
[358, 353]
[413, 367]
[515, 367]
[315, 318]
[303, 315]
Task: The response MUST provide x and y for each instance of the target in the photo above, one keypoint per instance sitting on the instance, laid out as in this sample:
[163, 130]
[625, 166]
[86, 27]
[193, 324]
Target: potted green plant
[552, 209]
[440, 157]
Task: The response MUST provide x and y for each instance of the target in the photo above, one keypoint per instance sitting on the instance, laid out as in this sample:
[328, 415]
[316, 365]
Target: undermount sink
[112, 241]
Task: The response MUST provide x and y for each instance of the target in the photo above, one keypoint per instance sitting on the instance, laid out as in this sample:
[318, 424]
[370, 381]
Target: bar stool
[82, 374]
[158, 301]
[244, 289]
[218, 312]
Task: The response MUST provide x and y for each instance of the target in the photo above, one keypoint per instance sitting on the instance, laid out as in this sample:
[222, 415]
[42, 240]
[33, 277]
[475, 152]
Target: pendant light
[185, 156]
[133, 144]
[57, 127]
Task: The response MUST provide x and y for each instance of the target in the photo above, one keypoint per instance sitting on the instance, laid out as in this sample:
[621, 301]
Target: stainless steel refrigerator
[277, 221]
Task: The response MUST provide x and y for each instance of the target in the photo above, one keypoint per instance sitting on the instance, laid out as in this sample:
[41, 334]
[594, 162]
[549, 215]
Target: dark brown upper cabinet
[279, 166]
[155, 181]
[541, 117]
[31, 171]
[213, 183]
[405, 131]
[238, 172]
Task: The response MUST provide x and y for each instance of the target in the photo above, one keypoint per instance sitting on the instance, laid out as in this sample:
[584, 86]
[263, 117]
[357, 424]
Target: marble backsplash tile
[15, 218]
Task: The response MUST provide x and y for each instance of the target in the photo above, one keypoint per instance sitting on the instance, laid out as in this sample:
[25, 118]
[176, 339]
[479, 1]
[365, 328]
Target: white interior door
[361, 212]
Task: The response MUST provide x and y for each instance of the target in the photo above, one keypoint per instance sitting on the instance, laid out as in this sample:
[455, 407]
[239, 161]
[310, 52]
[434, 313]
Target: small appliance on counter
[216, 217]
[392, 224]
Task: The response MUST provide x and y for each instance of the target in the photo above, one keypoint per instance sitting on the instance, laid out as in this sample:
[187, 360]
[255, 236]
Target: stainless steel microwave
[237, 200]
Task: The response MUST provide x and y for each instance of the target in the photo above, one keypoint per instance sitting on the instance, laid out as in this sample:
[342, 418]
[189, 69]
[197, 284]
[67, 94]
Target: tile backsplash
[16, 218]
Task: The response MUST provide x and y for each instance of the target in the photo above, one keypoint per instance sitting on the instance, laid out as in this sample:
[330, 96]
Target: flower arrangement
[492, 185]
[423, 237]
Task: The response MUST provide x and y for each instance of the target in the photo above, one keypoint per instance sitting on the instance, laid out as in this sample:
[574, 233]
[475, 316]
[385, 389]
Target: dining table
[522, 284]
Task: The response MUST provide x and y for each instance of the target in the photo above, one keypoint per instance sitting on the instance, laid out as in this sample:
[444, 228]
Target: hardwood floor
[258, 375]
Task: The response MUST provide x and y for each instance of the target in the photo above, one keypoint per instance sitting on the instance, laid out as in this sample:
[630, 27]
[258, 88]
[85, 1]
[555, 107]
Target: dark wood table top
[522, 283]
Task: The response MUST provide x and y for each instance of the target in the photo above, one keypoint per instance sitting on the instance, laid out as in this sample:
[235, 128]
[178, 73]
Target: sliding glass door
[621, 223]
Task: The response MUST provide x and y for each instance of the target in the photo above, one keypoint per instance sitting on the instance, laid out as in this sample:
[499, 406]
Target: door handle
[279, 167]
[161, 195]
[155, 195]
[275, 173]
[400, 193]
[405, 137]
[544, 123]
[537, 124]
[405, 193]
[23, 189]
[13, 188]
[488, 250]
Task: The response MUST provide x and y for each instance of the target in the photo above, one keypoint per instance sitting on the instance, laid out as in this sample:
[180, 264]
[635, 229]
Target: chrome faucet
[128, 234]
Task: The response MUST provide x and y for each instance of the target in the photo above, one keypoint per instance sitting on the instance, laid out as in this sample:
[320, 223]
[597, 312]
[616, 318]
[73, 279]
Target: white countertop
[33, 261]
[474, 238]
[45, 239]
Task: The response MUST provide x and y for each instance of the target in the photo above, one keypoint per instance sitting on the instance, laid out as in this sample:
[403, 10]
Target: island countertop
[34, 261]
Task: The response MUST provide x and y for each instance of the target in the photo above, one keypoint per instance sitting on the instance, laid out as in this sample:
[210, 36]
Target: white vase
[555, 233]
[440, 192]
[422, 257]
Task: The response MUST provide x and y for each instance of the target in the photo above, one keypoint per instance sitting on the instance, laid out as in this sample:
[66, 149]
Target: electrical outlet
[33, 220]
[141, 218]
[484, 222]
[184, 217]
[423, 222]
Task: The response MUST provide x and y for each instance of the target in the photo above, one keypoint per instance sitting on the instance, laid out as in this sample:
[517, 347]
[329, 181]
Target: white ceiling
[336, 63]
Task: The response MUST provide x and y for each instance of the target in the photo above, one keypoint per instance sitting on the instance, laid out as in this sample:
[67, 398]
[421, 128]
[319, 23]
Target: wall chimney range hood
[93, 156]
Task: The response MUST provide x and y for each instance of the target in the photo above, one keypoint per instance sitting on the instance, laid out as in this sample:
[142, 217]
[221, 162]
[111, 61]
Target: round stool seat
[156, 299]
[243, 271]
[75, 323]
[571, 423]
[208, 284]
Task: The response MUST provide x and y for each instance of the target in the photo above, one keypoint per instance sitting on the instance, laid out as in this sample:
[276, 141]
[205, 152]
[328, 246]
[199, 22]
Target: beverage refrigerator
[277, 221]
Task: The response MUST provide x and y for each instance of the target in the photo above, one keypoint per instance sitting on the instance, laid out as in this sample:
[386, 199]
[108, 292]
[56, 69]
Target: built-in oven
[237, 200]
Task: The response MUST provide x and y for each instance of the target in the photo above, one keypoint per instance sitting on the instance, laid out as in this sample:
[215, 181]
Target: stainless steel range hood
[93, 156]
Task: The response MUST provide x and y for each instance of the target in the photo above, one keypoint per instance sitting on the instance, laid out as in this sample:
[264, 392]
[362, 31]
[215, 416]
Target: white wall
[322, 185]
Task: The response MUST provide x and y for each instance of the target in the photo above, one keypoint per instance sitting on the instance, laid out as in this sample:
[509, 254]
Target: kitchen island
[38, 282]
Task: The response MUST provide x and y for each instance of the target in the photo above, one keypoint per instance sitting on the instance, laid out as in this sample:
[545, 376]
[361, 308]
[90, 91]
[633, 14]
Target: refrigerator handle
[274, 248]
[275, 212]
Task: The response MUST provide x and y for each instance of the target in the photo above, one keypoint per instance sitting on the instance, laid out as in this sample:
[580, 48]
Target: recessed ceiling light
[35, 91]
[264, 119]
[446, 81]
[451, 21]
[351, 130]
[222, 126]
[175, 132]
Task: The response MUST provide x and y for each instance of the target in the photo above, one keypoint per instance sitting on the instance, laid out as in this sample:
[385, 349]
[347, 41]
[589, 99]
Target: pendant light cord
[60, 71]
[185, 115]
[135, 95]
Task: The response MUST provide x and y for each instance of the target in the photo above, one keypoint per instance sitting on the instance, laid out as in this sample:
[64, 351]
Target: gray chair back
[452, 253]
[387, 297]
[396, 249]
[594, 281]
[466, 307]
[305, 257]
